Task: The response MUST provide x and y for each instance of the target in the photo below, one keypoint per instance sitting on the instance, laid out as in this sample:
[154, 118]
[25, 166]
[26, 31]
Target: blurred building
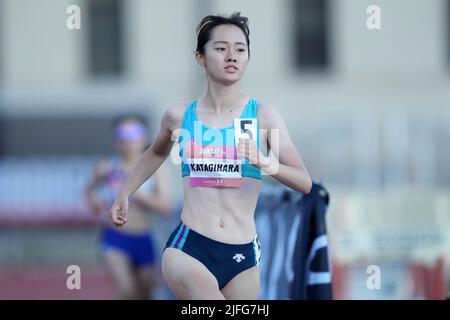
[340, 86]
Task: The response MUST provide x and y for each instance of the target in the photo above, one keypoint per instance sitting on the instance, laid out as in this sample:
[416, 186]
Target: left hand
[248, 149]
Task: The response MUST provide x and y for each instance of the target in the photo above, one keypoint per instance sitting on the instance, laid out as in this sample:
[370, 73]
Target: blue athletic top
[195, 129]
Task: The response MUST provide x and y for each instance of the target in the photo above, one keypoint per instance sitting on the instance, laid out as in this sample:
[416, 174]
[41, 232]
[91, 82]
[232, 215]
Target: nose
[231, 58]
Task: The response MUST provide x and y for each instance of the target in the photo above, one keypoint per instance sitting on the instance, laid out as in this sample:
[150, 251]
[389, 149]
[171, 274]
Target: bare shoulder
[174, 115]
[268, 115]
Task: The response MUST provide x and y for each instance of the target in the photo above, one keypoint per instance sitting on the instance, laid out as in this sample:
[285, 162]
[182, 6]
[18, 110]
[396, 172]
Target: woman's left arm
[283, 161]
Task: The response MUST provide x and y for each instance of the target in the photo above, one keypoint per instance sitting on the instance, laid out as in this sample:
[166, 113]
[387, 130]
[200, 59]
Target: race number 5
[245, 128]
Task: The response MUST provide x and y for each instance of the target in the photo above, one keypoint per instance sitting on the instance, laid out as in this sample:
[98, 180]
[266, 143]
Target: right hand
[119, 211]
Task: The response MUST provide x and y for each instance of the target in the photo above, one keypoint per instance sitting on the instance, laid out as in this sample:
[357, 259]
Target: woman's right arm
[148, 163]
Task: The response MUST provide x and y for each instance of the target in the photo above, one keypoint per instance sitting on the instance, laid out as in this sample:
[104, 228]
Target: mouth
[231, 69]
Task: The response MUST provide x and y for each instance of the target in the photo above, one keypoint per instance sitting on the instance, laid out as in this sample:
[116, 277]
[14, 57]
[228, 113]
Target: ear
[200, 58]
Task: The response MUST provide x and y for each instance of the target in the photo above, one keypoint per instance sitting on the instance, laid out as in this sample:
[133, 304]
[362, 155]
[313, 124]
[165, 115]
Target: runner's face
[127, 148]
[226, 54]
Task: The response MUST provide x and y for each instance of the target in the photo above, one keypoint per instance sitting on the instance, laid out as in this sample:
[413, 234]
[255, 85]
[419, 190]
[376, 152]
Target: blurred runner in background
[128, 253]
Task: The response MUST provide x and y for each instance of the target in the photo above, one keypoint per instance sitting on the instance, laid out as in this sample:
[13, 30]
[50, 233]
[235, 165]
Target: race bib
[213, 165]
[218, 165]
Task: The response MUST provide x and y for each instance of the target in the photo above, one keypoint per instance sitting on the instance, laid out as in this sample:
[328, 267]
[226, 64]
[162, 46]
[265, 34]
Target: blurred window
[105, 37]
[55, 135]
[311, 34]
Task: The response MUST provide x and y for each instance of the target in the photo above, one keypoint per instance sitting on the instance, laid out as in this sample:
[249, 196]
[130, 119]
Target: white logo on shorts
[238, 257]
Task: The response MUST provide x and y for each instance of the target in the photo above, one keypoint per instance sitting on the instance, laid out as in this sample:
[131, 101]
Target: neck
[221, 97]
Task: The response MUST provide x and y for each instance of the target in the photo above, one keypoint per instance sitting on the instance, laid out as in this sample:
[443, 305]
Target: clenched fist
[248, 149]
[119, 211]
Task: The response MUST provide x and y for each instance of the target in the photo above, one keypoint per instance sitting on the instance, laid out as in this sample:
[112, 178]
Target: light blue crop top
[193, 132]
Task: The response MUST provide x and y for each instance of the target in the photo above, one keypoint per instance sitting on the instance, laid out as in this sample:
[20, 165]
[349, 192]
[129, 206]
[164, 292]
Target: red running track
[44, 283]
